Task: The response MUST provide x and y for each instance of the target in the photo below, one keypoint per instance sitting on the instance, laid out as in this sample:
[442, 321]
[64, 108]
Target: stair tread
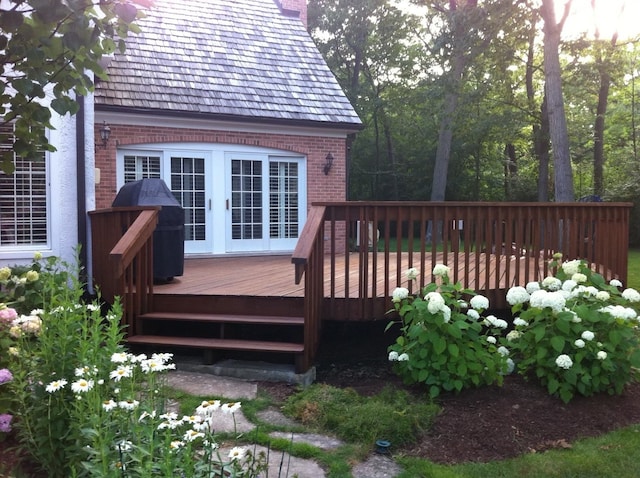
[228, 344]
[226, 318]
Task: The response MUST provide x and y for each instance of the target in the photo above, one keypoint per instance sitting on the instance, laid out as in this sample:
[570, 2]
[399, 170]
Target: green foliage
[393, 415]
[85, 407]
[25, 288]
[443, 343]
[52, 47]
[575, 333]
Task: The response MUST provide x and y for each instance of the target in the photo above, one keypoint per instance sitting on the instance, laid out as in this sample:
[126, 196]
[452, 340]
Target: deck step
[222, 344]
[223, 318]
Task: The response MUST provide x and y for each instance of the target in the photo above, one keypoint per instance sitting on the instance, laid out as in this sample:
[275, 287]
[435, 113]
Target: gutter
[81, 186]
[346, 126]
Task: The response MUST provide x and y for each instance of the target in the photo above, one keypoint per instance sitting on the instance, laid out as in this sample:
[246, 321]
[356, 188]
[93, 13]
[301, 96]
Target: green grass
[613, 455]
[633, 273]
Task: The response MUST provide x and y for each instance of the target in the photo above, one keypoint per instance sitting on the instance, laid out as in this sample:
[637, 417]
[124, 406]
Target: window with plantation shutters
[140, 166]
[23, 199]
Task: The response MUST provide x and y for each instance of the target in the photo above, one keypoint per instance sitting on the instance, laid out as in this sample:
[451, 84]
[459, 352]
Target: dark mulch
[477, 425]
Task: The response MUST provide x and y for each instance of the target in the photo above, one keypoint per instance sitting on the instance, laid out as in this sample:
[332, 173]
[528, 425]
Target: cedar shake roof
[225, 59]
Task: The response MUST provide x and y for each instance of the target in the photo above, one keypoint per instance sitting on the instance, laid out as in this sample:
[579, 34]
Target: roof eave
[347, 127]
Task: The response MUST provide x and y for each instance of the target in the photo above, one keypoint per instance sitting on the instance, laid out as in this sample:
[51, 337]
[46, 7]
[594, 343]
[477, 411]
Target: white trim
[215, 125]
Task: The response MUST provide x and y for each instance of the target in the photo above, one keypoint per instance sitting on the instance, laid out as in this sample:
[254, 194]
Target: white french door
[189, 182]
[234, 201]
[265, 205]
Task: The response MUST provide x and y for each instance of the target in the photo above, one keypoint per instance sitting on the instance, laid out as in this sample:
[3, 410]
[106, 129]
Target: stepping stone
[320, 441]
[283, 464]
[275, 417]
[208, 385]
[376, 466]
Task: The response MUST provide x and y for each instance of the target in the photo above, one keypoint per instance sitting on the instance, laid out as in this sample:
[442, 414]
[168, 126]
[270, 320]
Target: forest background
[488, 100]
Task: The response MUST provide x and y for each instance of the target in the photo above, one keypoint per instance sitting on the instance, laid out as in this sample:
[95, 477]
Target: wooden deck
[273, 276]
[246, 303]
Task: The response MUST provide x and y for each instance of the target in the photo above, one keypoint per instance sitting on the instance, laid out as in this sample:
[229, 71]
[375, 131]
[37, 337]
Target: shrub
[575, 333]
[393, 415]
[444, 342]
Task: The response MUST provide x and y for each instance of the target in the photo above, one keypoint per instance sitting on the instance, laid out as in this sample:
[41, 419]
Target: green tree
[563, 173]
[50, 49]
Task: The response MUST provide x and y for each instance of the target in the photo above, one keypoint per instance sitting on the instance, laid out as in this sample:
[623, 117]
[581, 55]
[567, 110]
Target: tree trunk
[445, 135]
[542, 148]
[563, 175]
[598, 134]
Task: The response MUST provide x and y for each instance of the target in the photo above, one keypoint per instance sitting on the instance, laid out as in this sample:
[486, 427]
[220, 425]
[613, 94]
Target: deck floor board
[273, 276]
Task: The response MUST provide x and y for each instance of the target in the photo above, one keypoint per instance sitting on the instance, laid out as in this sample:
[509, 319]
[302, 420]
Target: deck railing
[122, 252]
[489, 247]
[308, 256]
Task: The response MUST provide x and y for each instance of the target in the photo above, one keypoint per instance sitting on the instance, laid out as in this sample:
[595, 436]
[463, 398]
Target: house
[229, 102]
[234, 107]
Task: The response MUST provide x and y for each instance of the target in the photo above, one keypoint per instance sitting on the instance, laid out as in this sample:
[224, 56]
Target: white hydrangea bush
[574, 332]
[445, 343]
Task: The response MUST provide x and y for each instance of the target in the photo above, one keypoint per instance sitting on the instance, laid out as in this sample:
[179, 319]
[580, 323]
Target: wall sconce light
[327, 164]
[105, 132]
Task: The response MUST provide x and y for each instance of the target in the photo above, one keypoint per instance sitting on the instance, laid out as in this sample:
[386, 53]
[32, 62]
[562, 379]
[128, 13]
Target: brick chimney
[294, 8]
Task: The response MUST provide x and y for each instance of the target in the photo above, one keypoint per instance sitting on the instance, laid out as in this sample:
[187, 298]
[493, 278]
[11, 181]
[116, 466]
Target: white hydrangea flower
[435, 302]
[504, 351]
[479, 302]
[564, 361]
[473, 314]
[588, 335]
[520, 322]
[603, 296]
[531, 287]
[399, 294]
[440, 270]
[491, 339]
[517, 295]
[615, 283]
[511, 365]
[602, 355]
[542, 299]
[620, 312]
[579, 277]
[393, 356]
[446, 312]
[403, 358]
[631, 295]
[551, 283]
[493, 321]
[569, 285]
[571, 267]
[579, 343]
[412, 273]
[514, 335]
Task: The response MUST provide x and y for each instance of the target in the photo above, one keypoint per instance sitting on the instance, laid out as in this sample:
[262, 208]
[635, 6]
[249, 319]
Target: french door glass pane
[283, 200]
[187, 185]
[246, 199]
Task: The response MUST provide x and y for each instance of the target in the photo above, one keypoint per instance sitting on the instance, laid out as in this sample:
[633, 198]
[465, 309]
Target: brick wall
[320, 187]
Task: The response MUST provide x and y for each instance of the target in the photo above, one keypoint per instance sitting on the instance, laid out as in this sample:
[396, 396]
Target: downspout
[81, 186]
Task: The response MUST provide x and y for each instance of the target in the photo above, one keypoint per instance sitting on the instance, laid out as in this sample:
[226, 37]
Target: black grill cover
[168, 237]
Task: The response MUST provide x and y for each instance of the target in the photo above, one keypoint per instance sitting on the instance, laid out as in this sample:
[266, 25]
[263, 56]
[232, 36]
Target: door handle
[227, 204]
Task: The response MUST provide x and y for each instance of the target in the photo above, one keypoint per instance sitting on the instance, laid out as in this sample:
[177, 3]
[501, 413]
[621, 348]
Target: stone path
[280, 463]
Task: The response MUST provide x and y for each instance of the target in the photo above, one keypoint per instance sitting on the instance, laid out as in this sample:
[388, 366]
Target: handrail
[122, 252]
[126, 249]
[489, 247]
[308, 237]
